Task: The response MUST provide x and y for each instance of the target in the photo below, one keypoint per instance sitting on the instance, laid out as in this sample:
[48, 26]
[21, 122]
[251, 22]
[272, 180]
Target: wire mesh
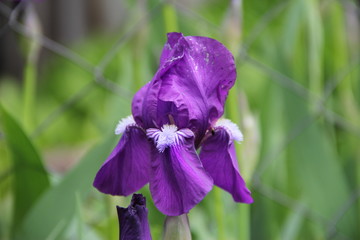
[100, 80]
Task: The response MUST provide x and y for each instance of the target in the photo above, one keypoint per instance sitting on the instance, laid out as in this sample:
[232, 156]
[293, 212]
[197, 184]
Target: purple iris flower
[133, 220]
[174, 115]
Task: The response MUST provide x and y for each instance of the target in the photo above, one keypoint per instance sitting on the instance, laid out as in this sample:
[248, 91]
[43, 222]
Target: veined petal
[191, 85]
[149, 111]
[178, 180]
[219, 159]
[133, 221]
[127, 168]
[172, 49]
[200, 81]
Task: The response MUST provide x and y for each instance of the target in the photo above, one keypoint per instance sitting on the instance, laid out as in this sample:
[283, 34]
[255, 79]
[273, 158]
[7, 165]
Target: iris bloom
[133, 220]
[173, 116]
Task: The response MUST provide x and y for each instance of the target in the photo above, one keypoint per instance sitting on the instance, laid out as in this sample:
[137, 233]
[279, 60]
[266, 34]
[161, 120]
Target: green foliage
[53, 212]
[30, 179]
[296, 100]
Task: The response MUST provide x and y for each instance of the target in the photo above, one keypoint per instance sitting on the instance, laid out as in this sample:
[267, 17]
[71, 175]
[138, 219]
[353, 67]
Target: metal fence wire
[14, 24]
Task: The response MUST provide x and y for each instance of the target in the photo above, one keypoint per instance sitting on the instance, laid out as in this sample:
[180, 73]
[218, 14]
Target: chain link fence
[14, 24]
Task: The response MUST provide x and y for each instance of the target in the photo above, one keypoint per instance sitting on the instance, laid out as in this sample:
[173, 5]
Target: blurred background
[69, 69]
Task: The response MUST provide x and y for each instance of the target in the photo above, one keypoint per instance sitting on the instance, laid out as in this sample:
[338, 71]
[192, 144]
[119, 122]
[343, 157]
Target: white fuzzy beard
[166, 137]
[231, 128]
[123, 124]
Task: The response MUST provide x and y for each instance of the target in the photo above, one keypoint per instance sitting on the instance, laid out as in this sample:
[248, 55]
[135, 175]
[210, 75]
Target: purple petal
[219, 159]
[137, 105]
[178, 180]
[133, 221]
[149, 111]
[191, 85]
[127, 168]
[171, 48]
[203, 77]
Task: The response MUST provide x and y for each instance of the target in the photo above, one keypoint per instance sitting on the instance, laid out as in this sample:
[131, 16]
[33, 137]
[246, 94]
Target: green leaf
[57, 207]
[30, 176]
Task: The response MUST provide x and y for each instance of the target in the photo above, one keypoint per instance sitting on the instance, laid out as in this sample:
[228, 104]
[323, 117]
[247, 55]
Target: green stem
[80, 219]
[170, 18]
[219, 214]
[233, 35]
[29, 92]
[232, 112]
[30, 72]
[109, 209]
[244, 221]
[139, 43]
[177, 228]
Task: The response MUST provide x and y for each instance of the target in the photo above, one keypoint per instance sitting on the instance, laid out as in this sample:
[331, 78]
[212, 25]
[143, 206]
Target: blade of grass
[293, 223]
[30, 176]
[58, 204]
[30, 73]
[170, 17]
[233, 35]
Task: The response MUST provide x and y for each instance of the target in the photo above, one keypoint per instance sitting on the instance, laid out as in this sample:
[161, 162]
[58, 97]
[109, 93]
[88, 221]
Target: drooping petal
[178, 180]
[219, 159]
[127, 168]
[191, 85]
[133, 221]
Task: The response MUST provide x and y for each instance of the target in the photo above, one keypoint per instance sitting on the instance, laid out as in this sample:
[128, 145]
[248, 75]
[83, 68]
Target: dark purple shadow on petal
[133, 222]
[153, 112]
[137, 105]
[127, 168]
[178, 180]
[219, 159]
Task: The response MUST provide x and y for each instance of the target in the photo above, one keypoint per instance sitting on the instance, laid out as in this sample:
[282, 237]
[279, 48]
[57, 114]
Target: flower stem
[219, 214]
[177, 228]
[233, 34]
[170, 18]
[29, 93]
[30, 73]
[244, 221]
[244, 210]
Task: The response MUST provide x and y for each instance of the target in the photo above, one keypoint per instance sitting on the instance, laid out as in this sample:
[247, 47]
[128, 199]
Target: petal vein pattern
[192, 83]
[173, 116]
[178, 180]
[219, 160]
[127, 168]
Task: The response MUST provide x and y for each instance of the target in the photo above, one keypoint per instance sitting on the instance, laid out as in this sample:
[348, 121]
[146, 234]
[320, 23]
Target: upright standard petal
[148, 110]
[178, 180]
[127, 168]
[219, 159]
[137, 105]
[199, 82]
[133, 222]
[191, 85]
